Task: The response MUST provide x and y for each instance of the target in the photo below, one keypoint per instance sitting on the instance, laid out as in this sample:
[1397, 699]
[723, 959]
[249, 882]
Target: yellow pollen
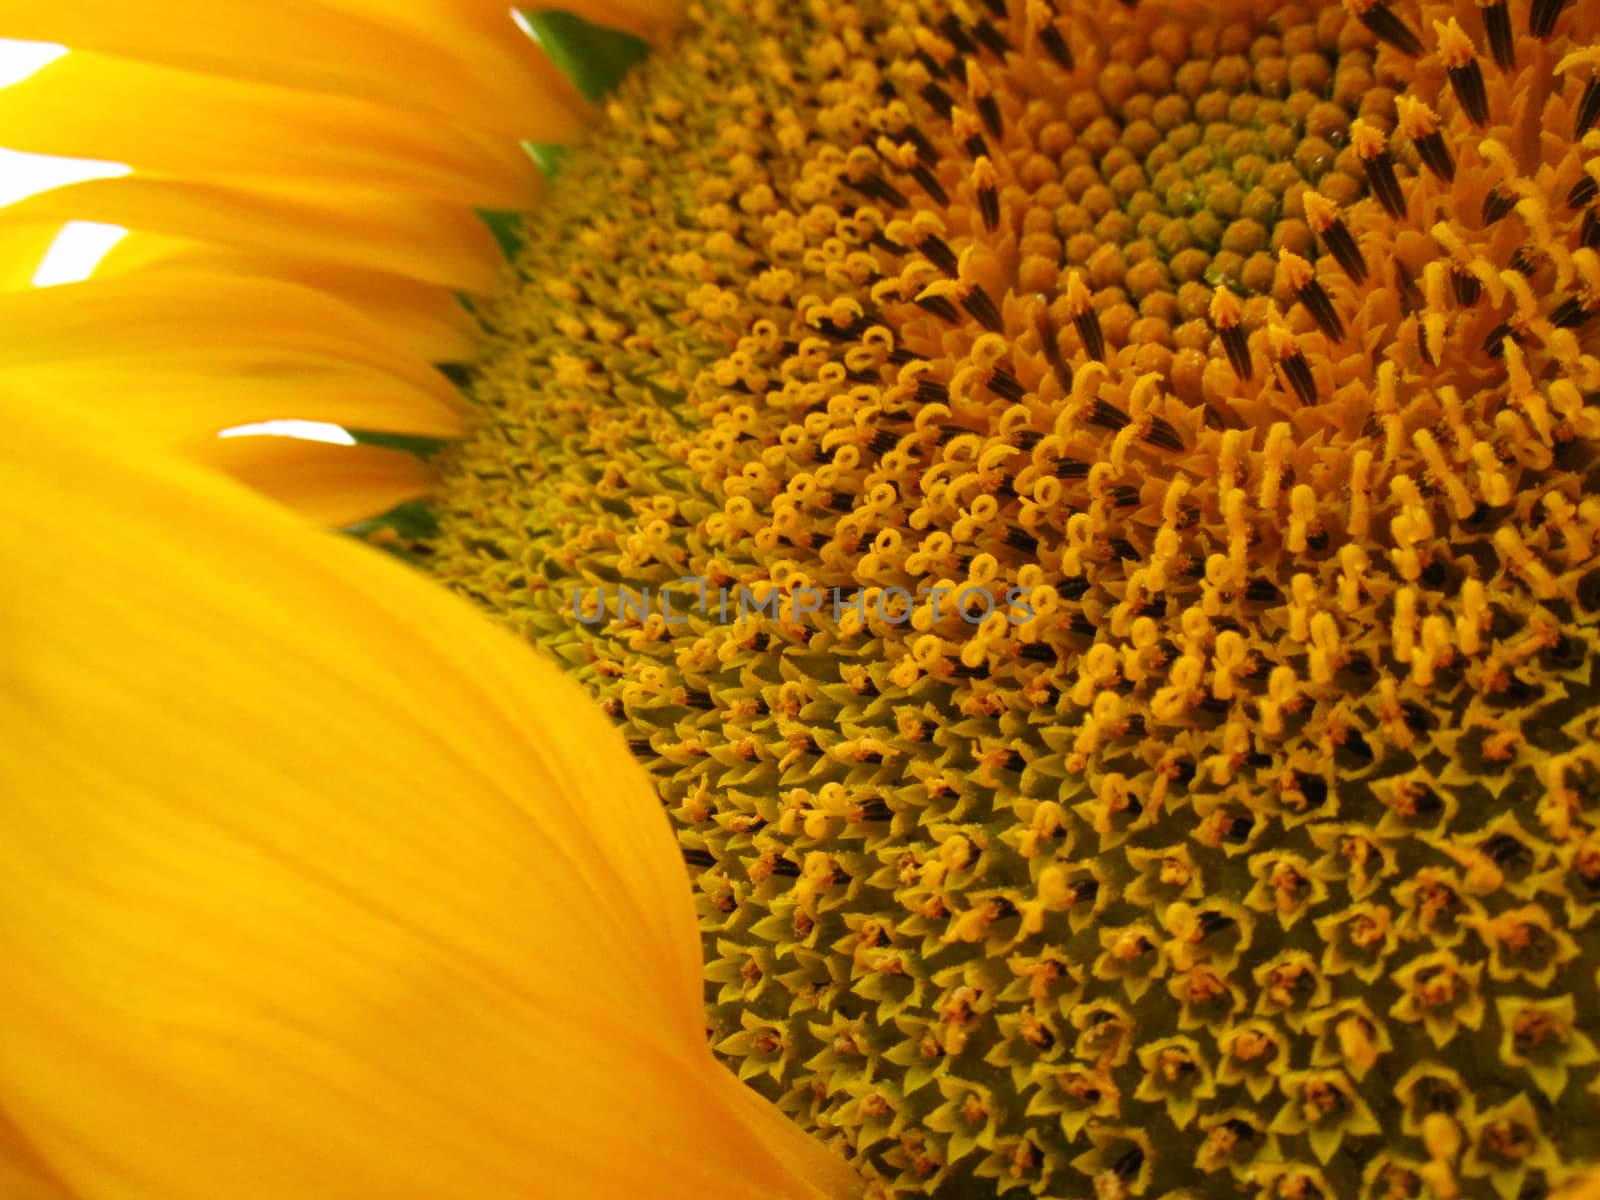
[1455, 47]
[1416, 118]
[1367, 140]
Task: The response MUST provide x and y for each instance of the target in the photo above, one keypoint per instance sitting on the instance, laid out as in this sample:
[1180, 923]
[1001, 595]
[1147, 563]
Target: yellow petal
[426, 240]
[313, 883]
[646, 18]
[652, 19]
[213, 327]
[23, 245]
[458, 65]
[426, 322]
[23, 1175]
[331, 485]
[327, 484]
[213, 129]
[181, 403]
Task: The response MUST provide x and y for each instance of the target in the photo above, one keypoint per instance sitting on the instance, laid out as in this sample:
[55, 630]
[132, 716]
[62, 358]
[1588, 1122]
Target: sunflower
[1086, 513]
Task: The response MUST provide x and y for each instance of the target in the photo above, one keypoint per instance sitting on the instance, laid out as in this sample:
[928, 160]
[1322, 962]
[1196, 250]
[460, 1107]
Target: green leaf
[547, 156]
[459, 374]
[423, 447]
[400, 531]
[594, 57]
[413, 519]
[506, 227]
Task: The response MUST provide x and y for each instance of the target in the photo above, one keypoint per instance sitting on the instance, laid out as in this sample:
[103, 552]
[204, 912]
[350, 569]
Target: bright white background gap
[81, 245]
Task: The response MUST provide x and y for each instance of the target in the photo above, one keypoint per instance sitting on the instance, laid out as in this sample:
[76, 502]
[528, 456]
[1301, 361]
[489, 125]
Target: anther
[1108, 416]
[1019, 539]
[1543, 15]
[985, 183]
[938, 99]
[1497, 202]
[982, 92]
[1225, 313]
[1261, 590]
[1385, 26]
[1041, 20]
[1080, 305]
[1571, 313]
[1495, 344]
[1497, 21]
[1585, 190]
[939, 306]
[1372, 148]
[939, 253]
[926, 151]
[1162, 433]
[1323, 216]
[876, 187]
[1588, 108]
[956, 35]
[1046, 330]
[1292, 362]
[1421, 124]
[930, 184]
[1467, 287]
[1302, 280]
[983, 310]
[1005, 385]
[989, 110]
[991, 38]
[1466, 77]
[934, 67]
[1406, 286]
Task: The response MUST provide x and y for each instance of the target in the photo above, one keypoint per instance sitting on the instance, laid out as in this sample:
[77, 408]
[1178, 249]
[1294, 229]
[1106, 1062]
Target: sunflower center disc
[1087, 513]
